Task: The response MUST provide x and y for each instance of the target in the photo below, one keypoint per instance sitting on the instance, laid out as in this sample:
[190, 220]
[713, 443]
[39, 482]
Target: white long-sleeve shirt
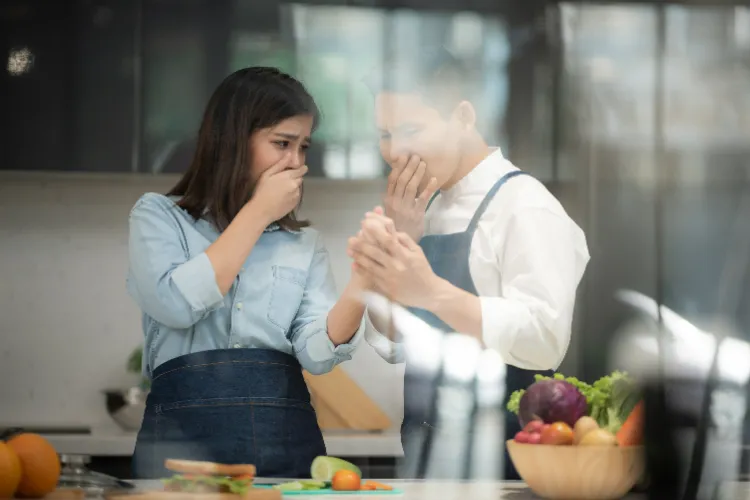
[527, 258]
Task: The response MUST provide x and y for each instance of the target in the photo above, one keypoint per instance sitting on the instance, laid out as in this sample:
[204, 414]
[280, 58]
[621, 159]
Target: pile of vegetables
[564, 410]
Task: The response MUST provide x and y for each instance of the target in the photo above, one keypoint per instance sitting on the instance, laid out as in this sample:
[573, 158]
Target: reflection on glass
[609, 54]
[331, 49]
[176, 61]
[337, 47]
[610, 63]
[247, 48]
[173, 107]
[707, 102]
[20, 61]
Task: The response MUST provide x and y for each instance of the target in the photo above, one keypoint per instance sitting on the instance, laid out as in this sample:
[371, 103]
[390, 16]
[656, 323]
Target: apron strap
[488, 198]
[431, 200]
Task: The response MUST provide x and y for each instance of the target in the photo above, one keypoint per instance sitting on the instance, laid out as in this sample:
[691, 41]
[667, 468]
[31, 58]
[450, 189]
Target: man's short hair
[439, 77]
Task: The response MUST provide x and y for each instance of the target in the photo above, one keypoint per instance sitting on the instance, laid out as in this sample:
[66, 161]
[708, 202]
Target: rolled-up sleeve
[164, 283]
[542, 263]
[314, 349]
[391, 352]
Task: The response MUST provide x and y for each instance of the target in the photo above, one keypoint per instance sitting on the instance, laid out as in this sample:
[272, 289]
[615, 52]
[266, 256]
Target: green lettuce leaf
[610, 399]
[189, 483]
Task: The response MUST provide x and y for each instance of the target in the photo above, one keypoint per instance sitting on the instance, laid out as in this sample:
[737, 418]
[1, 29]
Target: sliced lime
[323, 468]
[291, 486]
[308, 484]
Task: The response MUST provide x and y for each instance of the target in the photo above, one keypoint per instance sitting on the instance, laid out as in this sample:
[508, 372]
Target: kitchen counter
[112, 442]
[431, 490]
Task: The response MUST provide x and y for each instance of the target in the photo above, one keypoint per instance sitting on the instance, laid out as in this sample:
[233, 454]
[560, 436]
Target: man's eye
[385, 136]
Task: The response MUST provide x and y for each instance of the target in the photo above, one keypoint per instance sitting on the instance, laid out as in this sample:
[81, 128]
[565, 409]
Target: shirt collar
[481, 177]
[275, 226]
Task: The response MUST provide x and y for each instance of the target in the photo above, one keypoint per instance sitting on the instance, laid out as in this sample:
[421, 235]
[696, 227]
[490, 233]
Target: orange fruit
[10, 471]
[345, 480]
[40, 465]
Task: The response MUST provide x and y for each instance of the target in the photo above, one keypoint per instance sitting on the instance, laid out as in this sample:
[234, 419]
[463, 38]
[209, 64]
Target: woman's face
[267, 146]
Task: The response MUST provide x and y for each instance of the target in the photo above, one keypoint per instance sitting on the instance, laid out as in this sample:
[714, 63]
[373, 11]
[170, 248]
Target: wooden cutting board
[66, 494]
[328, 419]
[342, 404]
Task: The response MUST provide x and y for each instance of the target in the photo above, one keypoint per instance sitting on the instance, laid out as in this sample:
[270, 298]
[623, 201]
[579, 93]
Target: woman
[237, 293]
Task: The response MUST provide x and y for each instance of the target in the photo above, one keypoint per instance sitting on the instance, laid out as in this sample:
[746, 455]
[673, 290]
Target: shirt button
[242, 269]
[239, 306]
[237, 346]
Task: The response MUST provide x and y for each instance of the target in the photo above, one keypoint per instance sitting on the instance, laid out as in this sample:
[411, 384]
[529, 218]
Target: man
[492, 255]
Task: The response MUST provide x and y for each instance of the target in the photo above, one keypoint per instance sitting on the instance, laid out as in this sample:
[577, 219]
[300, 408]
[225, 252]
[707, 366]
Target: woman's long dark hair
[218, 183]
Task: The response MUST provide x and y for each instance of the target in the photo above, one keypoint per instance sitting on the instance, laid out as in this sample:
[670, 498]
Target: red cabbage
[552, 401]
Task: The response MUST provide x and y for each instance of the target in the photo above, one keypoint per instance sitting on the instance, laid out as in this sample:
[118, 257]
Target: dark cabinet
[120, 85]
[67, 92]
[105, 83]
[331, 48]
[37, 85]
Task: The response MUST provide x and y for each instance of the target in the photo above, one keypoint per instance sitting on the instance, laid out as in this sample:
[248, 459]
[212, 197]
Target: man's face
[409, 126]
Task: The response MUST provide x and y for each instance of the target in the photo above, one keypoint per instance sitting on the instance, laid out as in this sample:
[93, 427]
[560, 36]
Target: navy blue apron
[248, 406]
[448, 255]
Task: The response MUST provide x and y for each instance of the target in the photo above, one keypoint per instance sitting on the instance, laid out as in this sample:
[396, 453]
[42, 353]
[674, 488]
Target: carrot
[631, 432]
[376, 486]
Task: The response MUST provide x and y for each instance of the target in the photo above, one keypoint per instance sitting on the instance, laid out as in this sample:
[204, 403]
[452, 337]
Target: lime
[323, 468]
[308, 484]
[291, 486]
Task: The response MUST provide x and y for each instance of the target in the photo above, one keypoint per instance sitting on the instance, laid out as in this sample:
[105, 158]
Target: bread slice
[209, 468]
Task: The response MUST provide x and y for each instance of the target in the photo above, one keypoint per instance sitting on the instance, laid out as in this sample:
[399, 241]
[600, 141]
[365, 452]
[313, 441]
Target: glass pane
[189, 48]
[607, 144]
[610, 65]
[707, 128]
[337, 47]
[174, 88]
[707, 77]
[260, 49]
[175, 83]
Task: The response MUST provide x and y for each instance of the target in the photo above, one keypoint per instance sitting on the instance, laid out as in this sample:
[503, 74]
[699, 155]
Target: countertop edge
[375, 444]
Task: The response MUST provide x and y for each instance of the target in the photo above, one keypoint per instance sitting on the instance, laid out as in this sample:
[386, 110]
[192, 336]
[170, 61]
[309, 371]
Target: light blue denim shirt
[280, 300]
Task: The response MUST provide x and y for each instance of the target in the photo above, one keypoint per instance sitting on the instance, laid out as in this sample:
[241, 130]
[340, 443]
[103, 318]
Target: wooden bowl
[578, 472]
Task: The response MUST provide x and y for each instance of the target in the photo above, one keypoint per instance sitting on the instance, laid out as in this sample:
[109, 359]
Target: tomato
[558, 433]
[346, 480]
[521, 437]
[534, 426]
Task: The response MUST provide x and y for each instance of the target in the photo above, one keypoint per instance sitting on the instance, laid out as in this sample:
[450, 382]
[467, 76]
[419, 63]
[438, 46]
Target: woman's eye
[283, 144]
